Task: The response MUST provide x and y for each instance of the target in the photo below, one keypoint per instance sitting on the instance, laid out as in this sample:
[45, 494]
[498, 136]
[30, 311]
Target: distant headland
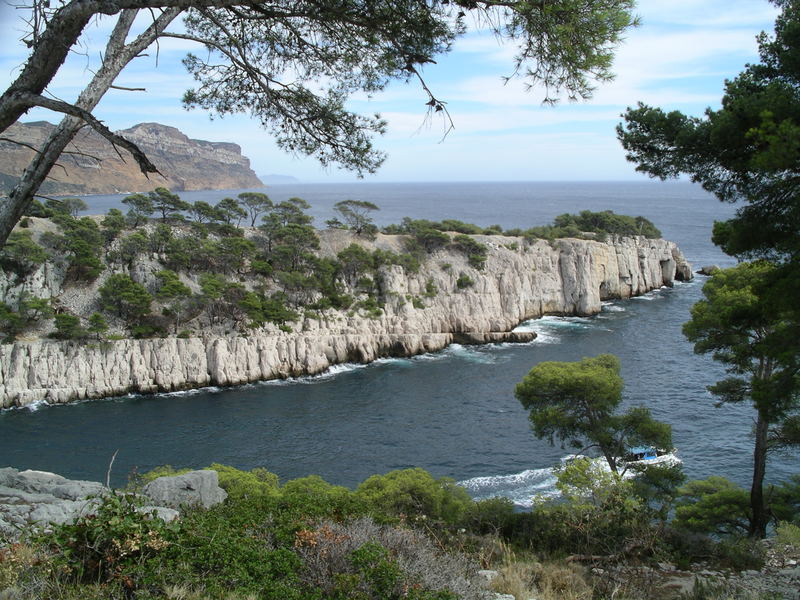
[91, 165]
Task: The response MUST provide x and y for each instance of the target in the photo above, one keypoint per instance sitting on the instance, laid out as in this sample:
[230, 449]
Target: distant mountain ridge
[278, 178]
[92, 166]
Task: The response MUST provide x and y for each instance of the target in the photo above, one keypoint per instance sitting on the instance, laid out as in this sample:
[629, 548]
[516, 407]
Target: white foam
[547, 328]
[329, 373]
[613, 308]
[193, 392]
[476, 354]
[32, 407]
[524, 487]
[520, 488]
[391, 361]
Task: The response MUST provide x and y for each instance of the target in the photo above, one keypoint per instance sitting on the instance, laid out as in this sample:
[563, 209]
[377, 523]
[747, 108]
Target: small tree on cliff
[576, 402]
[255, 204]
[122, 296]
[355, 216]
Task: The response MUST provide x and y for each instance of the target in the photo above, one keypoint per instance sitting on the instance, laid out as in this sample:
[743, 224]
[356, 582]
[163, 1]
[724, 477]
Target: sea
[453, 412]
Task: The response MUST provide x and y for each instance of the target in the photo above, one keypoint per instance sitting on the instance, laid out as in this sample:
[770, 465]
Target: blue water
[454, 412]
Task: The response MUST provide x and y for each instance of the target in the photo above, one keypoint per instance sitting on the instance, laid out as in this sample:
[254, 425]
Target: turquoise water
[454, 412]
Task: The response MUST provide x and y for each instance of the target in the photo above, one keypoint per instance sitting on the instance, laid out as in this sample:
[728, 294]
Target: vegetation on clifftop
[169, 267]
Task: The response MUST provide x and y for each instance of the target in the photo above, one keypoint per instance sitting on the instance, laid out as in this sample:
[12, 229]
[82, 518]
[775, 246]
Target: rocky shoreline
[519, 282]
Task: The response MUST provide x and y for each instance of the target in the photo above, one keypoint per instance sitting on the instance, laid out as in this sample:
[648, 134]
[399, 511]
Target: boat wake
[523, 487]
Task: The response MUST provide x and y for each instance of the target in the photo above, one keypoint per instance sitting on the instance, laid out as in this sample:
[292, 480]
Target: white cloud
[709, 13]
[677, 59]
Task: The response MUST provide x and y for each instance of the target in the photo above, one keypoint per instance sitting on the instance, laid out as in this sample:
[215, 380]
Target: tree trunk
[117, 56]
[758, 517]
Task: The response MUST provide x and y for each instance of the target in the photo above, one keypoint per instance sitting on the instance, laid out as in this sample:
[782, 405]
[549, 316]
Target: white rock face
[521, 281]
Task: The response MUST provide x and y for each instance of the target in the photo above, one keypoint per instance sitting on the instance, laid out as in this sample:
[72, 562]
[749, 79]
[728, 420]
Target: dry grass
[528, 578]
[179, 592]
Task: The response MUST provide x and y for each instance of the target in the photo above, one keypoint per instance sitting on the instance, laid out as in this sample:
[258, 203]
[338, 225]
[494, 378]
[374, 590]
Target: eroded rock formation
[520, 281]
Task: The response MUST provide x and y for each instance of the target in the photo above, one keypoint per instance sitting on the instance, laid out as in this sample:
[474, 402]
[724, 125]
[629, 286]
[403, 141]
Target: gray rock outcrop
[39, 498]
[196, 488]
[708, 270]
[520, 281]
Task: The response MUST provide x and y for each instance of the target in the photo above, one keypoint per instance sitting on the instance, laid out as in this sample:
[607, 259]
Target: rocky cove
[521, 280]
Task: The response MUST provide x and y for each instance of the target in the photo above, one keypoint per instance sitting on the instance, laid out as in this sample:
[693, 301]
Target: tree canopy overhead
[747, 150]
[293, 65]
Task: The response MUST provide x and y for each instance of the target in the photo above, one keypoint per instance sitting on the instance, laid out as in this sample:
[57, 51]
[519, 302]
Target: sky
[677, 59]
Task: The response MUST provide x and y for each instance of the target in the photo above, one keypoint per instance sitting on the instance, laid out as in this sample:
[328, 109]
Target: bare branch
[18, 143]
[127, 89]
[70, 109]
[434, 104]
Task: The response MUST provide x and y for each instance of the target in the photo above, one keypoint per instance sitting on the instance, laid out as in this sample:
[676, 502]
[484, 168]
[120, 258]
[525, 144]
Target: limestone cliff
[90, 164]
[520, 281]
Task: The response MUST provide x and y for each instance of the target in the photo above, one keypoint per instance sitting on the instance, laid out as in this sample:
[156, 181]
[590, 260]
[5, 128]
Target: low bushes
[402, 535]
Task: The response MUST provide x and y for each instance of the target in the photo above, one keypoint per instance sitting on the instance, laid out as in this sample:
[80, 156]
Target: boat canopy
[643, 452]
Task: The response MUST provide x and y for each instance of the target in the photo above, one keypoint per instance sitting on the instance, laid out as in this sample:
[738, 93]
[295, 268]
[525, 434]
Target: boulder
[196, 488]
[44, 482]
[708, 270]
[43, 499]
[165, 514]
[488, 574]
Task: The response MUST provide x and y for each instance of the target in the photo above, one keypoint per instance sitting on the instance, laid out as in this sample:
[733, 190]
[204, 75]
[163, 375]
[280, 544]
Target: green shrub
[21, 255]
[739, 554]
[788, 534]
[475, 251]
[68, 327]
[113, 224]
[147, 330]
[490, 516]
[97, 325]
[785, 498]
[430, 289]
[607, 222]
[82, 243]
[371, 307]
[714, 505]
[231, 548]
[415, 493]
[459, 226]
[124, 297]
[30, 311]
[464, 281]
[239, 484]
[599, 514]
[112, 544]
